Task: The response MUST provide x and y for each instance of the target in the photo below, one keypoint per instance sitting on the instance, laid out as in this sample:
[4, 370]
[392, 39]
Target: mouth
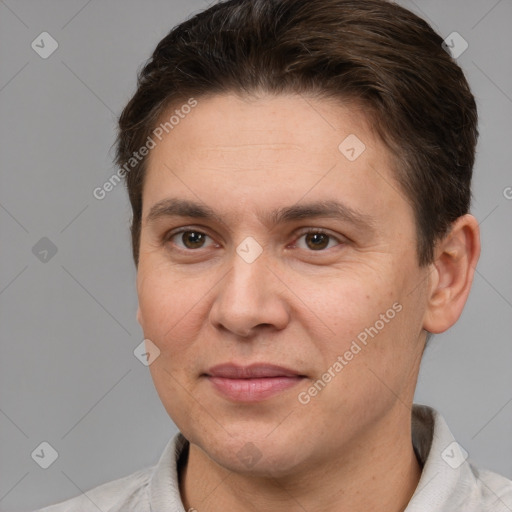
[251, 383]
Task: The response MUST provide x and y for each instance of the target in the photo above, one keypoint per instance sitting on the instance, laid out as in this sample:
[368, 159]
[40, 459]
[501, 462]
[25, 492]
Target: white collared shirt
[448, 483]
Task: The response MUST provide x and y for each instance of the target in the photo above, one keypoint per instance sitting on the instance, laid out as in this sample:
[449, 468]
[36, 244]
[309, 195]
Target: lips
[254, 371]
[253, 383]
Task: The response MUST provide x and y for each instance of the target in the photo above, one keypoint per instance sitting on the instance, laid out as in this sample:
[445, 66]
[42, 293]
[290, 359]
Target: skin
[297, 306]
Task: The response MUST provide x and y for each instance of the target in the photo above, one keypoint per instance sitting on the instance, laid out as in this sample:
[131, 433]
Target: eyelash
[168, 237]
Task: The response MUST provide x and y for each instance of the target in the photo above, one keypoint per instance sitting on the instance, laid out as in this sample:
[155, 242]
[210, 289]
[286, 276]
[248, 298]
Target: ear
[451, 274]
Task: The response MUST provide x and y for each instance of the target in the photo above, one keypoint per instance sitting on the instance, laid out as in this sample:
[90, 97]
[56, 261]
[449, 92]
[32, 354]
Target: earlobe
[456, 256]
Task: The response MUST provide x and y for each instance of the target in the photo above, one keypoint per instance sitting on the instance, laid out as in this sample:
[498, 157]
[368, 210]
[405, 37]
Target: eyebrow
[174, 207]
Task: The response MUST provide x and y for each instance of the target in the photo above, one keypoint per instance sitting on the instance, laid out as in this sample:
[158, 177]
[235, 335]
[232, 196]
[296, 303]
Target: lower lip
[253, 390]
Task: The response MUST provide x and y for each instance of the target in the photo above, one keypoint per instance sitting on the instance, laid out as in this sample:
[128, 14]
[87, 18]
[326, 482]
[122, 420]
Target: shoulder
[143, 491]
[124, 494]
[494, 490]
[450, 480]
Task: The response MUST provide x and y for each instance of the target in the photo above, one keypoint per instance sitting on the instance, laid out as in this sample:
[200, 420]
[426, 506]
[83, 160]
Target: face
[313, 311]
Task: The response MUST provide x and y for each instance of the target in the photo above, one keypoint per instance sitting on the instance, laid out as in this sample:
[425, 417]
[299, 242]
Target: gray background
[68, 375]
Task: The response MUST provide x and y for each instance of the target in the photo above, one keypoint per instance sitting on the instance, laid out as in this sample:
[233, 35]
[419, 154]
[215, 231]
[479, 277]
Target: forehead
[286, 119]
[270, 149]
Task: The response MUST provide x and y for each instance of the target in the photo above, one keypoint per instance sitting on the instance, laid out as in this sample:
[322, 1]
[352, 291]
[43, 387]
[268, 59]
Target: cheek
[375, 335]
[365, 323]
[171, 308]
[171, 311]
[347, 306]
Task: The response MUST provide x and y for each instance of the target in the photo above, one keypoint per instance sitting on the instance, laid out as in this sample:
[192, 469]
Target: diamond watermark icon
[249, 250]
[45, 455]
[44, 45]
[249, 455]
[454, 455]
[146, 352]
[44, 250]
[455, 45]
[352, 147]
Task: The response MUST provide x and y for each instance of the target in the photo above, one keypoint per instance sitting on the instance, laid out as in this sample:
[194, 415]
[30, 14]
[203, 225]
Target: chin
[255, 453]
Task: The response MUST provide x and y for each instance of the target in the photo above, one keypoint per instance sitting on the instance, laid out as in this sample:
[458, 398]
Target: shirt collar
[447, 482]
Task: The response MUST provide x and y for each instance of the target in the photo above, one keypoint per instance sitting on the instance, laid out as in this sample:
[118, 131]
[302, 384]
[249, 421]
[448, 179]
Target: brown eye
[188, 239]
[317, 241]
[192, 239]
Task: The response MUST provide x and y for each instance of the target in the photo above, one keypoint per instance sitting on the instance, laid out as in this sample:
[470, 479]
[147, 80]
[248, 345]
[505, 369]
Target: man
[299, 174]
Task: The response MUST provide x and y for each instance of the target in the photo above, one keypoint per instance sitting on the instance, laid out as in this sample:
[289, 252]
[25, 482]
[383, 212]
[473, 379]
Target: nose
[250, 297]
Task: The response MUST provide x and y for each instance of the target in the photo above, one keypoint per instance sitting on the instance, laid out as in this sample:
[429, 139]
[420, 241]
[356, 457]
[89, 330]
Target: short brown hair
[370, 51]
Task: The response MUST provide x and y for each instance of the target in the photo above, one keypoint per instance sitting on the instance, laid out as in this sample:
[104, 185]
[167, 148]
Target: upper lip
[253, 371]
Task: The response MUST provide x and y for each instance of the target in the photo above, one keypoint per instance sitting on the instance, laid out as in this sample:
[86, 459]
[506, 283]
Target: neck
[370, 474]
